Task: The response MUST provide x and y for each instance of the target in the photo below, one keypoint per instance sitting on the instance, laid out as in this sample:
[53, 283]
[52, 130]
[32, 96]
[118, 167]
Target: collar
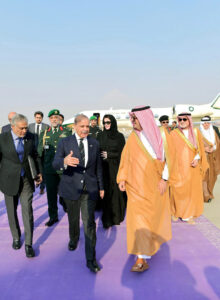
[79, 138]
[14, 136]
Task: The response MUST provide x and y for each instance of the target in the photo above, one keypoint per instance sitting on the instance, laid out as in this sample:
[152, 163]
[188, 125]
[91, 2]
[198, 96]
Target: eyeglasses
[182, 119]
[107, 122]
[165, 122]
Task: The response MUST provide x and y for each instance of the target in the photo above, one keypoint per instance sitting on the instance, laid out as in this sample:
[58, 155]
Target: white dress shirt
[85, 143]
[40, 126]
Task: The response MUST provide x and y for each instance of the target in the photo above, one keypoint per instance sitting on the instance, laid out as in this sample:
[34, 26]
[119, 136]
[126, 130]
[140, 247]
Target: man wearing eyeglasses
[16, 182]
[164, 121]
[191, 166]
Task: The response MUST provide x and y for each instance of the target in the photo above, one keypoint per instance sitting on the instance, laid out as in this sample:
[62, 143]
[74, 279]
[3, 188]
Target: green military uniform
[94, 131]
[48, 142]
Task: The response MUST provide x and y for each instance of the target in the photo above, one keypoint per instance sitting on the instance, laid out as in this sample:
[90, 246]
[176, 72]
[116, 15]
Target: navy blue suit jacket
[6, 128]
[73, 178]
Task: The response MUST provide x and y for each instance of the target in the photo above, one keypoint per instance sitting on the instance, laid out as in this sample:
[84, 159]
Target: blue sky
[79, 55]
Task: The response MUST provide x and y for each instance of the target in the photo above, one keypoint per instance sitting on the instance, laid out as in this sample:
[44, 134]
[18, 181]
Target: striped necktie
[82, 151]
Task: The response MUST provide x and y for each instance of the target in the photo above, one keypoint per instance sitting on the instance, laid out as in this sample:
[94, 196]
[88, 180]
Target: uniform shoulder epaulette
[61, 128]
[49, 129]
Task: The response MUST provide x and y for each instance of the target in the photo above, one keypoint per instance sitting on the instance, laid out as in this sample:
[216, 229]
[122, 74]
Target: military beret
[93, 118]
[55, 112]
[164, 118]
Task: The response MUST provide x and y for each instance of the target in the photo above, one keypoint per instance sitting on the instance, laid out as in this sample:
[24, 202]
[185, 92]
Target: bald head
[11, 115]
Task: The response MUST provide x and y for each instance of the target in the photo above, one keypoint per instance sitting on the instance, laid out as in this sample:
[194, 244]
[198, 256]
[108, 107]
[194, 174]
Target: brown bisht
[148, 212]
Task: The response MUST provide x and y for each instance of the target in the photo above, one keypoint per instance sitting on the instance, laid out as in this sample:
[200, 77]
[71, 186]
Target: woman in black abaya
[111, 145]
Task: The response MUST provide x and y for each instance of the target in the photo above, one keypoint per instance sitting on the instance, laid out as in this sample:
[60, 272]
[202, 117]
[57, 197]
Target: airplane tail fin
[216, 102]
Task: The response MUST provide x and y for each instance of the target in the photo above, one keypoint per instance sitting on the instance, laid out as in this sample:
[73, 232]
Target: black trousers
[26, 196]
[87, 208]
[52, 182]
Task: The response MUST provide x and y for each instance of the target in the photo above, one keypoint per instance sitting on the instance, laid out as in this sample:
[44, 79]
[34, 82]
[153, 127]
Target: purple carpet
[188, 267]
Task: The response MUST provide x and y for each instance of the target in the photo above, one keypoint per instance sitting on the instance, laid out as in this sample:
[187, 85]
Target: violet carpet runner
[187, 267]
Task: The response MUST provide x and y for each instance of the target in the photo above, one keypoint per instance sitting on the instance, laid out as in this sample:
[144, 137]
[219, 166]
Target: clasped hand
[104, 154]
[162, 186]
[194, 163]
[70, 160]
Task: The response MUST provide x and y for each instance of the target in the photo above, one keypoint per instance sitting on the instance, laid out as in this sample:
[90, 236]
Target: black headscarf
[112, 133]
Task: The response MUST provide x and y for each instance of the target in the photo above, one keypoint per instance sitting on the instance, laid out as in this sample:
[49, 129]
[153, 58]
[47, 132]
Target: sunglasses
[107, 122]
[182, 119]
[165, 122]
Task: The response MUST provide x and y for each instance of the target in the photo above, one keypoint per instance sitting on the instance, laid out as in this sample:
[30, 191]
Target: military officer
[48, 142]
[94, 129]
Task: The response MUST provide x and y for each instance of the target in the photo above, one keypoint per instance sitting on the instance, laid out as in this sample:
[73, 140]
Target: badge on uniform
[46, 147]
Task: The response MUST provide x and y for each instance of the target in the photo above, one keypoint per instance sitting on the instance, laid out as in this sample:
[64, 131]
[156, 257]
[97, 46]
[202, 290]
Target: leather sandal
[140, 267]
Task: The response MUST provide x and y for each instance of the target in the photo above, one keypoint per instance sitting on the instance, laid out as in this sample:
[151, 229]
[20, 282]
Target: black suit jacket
[73, 178]
[10, 165]
[6, 128]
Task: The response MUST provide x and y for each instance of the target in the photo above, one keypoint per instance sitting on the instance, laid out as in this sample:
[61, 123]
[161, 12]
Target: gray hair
[18, 118]
[79, 118]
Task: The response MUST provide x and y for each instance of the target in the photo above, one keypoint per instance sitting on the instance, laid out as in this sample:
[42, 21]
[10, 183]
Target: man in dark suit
[7, 127]
[16, 178]
[36, 128]
[81, 184]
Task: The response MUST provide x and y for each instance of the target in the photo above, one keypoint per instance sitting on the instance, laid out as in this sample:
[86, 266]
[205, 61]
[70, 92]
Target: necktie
[20, 148]
[38, 130]
[54, 130]
[20, 152]
[82, 151]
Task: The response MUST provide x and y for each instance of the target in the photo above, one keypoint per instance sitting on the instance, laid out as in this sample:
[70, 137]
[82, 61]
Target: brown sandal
[140, 267]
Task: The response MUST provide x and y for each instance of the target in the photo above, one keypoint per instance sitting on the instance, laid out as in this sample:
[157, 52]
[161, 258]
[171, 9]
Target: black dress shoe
[93, 267]
[29, 251]
[51, 222]
[72, 245]
[107, 225]
[16, 244]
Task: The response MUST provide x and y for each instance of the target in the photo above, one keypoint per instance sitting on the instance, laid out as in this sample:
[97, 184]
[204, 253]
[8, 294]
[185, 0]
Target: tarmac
[187, 267]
